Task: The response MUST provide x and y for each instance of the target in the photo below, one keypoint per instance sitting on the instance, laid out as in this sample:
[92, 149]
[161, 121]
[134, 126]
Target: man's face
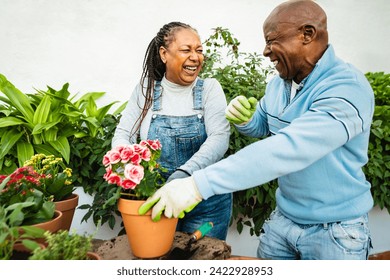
[285, 48]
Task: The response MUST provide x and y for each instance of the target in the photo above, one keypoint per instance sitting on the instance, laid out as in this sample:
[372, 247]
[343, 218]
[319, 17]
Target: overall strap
[157, 92]
[197, 93]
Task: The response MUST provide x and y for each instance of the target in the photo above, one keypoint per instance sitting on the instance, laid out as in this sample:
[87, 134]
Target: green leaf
[17, 98]
[8, 140]
[10, 121]
[42, 112]
[25, 151]
[62, 146]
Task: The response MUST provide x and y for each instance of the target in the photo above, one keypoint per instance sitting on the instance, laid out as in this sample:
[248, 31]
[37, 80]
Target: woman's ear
[309, 33]
[163, 53]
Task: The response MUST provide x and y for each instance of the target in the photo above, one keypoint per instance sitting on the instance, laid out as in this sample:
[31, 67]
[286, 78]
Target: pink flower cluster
[125, 164]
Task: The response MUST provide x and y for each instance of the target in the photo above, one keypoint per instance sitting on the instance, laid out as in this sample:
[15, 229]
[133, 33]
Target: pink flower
[106, 160]
[108, 173]
[138, 148]
[128, 184]
[128, 165]
[114, 156]
[146, 154]
[136, 159]
[134, 172]
[127, 153]
[114, 178]
[154, 144]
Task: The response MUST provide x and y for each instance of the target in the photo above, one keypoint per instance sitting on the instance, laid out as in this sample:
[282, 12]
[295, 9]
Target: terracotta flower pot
[20, 252]
[93, 256]
[67, 207]
[147, 239]
[53, 225]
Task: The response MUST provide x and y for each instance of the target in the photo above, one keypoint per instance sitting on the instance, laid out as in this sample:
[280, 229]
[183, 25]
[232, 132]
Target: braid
[153, 67]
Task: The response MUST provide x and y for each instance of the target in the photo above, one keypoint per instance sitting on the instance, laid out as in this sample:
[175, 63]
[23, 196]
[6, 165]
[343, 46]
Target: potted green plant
[44, 122]
[65, 246]
[54, 122]
[20, 188]
[56, 184]
[16, 242]
[133, 175]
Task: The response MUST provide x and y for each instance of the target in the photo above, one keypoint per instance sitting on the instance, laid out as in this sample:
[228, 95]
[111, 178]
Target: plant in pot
[136, 175]
[65, 246]
[16, 242]
[21, 188]
[44, 122]
[56, 183]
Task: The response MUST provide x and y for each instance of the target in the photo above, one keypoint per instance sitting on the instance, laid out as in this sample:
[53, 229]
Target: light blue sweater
[317, 146]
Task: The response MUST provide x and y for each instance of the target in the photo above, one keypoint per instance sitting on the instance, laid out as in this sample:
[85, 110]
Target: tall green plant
[43, 122]
[240, 73]
[377, 169]
[87, 160]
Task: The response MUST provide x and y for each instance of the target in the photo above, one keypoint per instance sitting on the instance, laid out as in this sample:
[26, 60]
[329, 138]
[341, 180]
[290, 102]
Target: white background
[99, 45]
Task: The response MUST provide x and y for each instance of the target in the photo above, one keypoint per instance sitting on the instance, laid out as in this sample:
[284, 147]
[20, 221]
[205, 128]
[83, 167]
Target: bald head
[300, 11]
[296, 37]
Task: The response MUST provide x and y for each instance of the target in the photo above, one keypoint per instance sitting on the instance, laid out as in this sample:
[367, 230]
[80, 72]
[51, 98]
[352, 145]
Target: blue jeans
[217, 209]
[283, 239]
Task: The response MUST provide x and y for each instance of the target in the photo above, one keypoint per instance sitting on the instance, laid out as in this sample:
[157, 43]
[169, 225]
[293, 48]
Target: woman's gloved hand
[178, 174]
[175, 199]
[240, 110]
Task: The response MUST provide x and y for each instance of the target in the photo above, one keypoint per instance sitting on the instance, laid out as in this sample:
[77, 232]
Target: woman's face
[183, 57]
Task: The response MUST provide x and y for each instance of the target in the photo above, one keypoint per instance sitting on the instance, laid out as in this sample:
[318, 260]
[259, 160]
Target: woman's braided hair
[153, 67]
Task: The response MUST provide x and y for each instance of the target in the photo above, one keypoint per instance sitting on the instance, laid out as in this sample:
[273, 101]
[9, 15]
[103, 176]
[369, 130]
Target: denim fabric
[283, 239]
[181, 137]
[217, 209]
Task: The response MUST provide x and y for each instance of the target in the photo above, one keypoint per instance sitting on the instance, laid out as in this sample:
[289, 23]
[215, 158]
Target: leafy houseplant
[45, 122]
[11, 233]
[240, 73]
[134, 170]
[56, 179]
[19, 189]
[377, 169]
[54, 122]
[64, 246]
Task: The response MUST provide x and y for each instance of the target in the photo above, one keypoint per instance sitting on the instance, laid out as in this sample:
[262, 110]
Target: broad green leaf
[10, 121]
[50, 134]
[62, 146]
[25, 151]
[39, 128]
[100, 114]
[17, 98]
[120, 109]
[91, 108]
[8, 140]
[46, 149]
[42, 112]
[84, 98]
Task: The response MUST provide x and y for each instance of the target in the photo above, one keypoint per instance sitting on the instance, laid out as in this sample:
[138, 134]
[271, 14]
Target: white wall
[99, 45]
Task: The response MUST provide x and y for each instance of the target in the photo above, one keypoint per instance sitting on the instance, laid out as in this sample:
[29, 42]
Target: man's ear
[163, 52]
[309, 33]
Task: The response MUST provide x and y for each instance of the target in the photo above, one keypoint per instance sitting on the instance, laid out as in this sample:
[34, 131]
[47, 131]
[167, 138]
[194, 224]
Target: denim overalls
[181, 137]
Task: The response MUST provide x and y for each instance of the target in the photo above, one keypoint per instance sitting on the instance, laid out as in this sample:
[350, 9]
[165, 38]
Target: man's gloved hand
[178, 174]
[175, 199]
[240, 109]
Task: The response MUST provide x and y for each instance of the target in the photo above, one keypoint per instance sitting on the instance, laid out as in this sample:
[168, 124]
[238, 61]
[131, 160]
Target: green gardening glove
[175, 199]
[240, 110]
